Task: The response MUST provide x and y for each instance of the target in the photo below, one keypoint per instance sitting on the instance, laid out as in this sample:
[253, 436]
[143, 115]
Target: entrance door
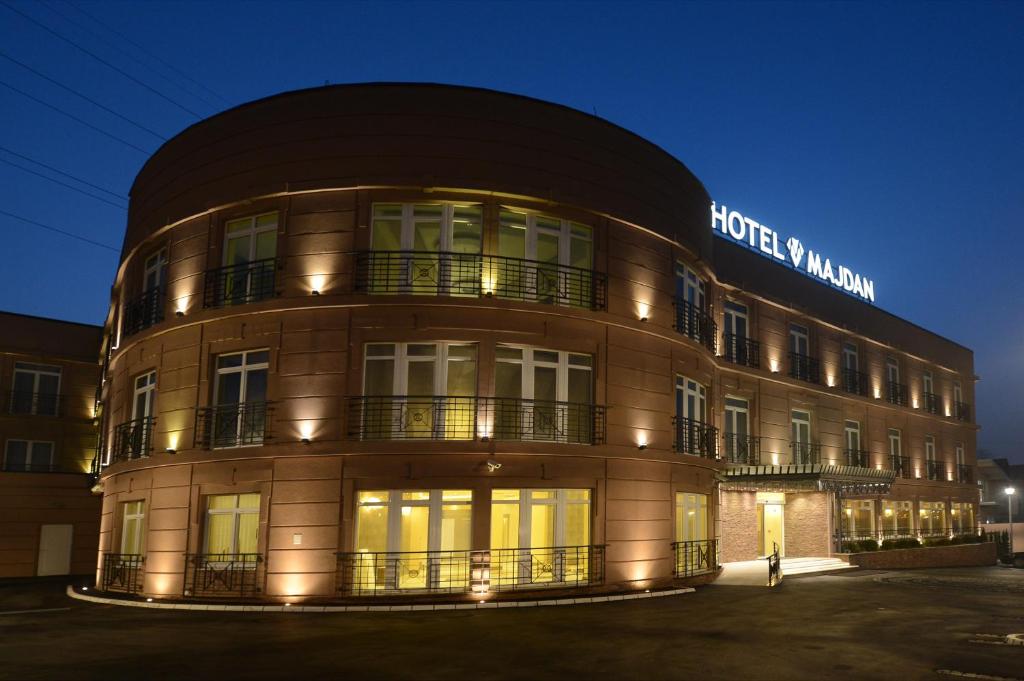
[55, 550]
[770, 526]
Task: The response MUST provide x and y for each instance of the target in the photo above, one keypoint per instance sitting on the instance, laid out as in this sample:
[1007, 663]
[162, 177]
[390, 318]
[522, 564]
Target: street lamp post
[1009, 509]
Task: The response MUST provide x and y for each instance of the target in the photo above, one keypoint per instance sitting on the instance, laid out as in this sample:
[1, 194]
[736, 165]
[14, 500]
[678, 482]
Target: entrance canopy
[846, 480]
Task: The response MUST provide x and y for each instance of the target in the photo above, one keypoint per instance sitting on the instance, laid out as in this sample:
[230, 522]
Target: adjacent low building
[399, 340]
[49, 517]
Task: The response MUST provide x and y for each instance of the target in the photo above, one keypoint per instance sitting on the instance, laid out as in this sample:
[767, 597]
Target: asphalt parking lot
[865, 625]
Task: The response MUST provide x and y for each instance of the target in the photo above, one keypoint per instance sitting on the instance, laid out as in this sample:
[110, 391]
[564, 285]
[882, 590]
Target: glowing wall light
[774, 365]
[306, 431]
[878, 393]
[830, 380]
[643, 311]
[641, 440]
[317, 284]
[775, 458]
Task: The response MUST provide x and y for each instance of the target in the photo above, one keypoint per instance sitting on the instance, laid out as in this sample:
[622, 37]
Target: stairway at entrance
[806, 566]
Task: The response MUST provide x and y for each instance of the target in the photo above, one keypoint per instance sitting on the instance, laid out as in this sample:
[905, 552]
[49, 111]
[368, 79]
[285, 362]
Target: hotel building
[394, 340]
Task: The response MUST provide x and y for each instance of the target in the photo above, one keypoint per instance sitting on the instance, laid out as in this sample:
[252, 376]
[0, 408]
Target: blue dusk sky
[888, 136]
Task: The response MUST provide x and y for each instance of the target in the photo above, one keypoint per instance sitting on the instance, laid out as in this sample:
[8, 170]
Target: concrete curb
[425, 607]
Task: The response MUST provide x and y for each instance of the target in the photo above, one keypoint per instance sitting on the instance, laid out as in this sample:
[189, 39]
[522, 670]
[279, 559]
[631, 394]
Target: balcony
[697, 557]
[223, 575]
[961, 411]
[855, 382]
[805, 453]
[896, 393]
[695, 323]
[122, 572]
[935, 470]
[143, 312]
[133, 439]
[743, 449]
[473, 275]
[29, 403]
[743, 351]
[696, 438]
[901, 464]
[964, 473]
[438, 417]
[857, 457]
[932, 403]
[233, 425]
[239, 284]
[471, 571]
[804, 368]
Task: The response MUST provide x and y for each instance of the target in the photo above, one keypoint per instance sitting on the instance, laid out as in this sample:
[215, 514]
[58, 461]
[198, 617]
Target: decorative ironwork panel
[390, 573]
[901, 464]
[122, 572]
[743, 449]
[555, 567]
[805, 452]
[233, 425]
[857, 457]
[932, 403]
[855, 382]
[804, 367]
[143, 312]
[695, 323]
[694, 437]
[964, 473]
[695, 557]
[223, 575]
[935, 470]
[896, 393]
[239, 284]
[962, 411]
[133, 440]
[742, 350]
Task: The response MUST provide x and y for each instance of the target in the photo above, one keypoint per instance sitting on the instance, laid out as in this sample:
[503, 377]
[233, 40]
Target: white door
[55, 550]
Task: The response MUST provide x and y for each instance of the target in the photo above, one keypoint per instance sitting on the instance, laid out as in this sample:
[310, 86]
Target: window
[892, 370]
[958, 393]
[931, 467]
[854, 455]
[430, 530]
[543, 395]
[931, 400]
[738, 346]
[897, 392]
[232, 525]
[853, 381]
[736, 319]
[932, 518]
[926, 382]
[154, 274]
[739, 446]
[961, 516]
[133, 528]
[539, 536]
[800, 428]
[897, 518]
[144, 403]
[548, 241]
[799, 340]
[896, 451]
[692, 436]
[35, 389]
[147, 308]
[691, 400]
[691, 516]
[422, 390]
[858, 518]
[250, 249]
[690, 286]
[240, 394]
[426, 248]
[960, 454]
[850, 357]
[28, 455]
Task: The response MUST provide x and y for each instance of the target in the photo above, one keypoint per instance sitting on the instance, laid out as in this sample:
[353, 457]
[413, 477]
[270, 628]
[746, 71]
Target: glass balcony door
[540, 248]
[240, 396]
[542, 394]
[248, 241]
[737, 430]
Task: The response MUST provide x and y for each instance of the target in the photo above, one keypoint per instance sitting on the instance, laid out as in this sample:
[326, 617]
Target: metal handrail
[234, 425]
[962, 411]
[745, 449]
[896, 393]
[241, 283]
[695, 557]
[695, 323]
[143, 312]
[122, 572]
[857, 457]
[445, 273]
[854, 382]
[964, 473]
[934, 469]
[774, 566]
[133, 439]
[932, 403]
[805, 452]
[901, 464]
[804, 367]
[695, 437]
[742, 350]
[219, 575]
[32, 403]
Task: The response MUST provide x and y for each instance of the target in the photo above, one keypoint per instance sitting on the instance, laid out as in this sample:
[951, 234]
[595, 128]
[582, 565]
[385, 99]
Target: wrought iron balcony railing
[143, 312]
[470, 274]
[470, 571]
[898, 532]
[805, 452]
[133, 439]
[745, 449]
[857, 457]
[695, 323]
[223, 575]
[901, 464]
[896, 393]
[695, 557]
[964, 473]
[239, 284]
[932, 403]
[935, 470]
[438, 417]
[233, 425]
[30, 403]
[804, 367]
[696, 438]
[855, 382]
[741, 350]
[962, 411]
[122, 572]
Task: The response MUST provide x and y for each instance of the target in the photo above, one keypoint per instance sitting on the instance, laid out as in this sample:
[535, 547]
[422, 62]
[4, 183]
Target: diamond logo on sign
[796, 250]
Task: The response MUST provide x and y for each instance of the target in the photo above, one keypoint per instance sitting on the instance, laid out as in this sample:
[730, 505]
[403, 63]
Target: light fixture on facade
[171, 450]
[878, 393]
[179, 312]
[643, 311]
[315, 292]
[641, 441]
[774, 365]
[492, 465]
[305, 440]
[149, 600]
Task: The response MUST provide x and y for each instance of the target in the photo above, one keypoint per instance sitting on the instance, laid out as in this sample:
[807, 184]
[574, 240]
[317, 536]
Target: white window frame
[155, 266]
[892, 370]
[734, 413]
[851, 357]
[139, 517]
[927, 382]
[798, 333]
[244, 368]
[958, 392]
[402, 359]
[895, 438]
[851, 432]
[691, 502]
[929, 448]
[800, 417]
[37, 370]
[409, 220]
[733, 311]
[694, 288]
[394, 506]
[689, 388]
[30, 453]
[147, 390]
[960, 456]
[564, 232]
[561, 502]
[529, 362]
[237, 512]
[253, 231]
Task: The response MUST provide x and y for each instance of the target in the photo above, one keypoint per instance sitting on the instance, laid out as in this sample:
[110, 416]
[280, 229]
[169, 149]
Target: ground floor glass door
[770, 518]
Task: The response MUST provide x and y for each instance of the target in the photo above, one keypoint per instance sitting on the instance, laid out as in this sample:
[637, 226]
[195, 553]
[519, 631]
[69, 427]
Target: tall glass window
[541, 248]
[144, 402]
[691, 516]
[858, 518]
[800, 436]
[897, 518]
[250, 247]
[35, 389]
[240, 396]
[420, 390]
[690, 286]
[799, 340]
[543, 394]
[232, 524]
[539, 535]
[426, 533]
[932, 518]
[737, 431]
[28, 455]
[133, 519]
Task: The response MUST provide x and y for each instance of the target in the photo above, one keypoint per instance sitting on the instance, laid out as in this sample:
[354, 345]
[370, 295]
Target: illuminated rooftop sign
[731, 225]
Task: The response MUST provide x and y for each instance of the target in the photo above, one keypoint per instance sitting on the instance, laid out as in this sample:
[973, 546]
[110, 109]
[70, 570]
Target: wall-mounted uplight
[317, 283]
[773, 364]
[830, 380]
[878, 393]
[643, 311]
[305, 440]
[315, 292]
[171, 450]
[775, 458]
[306, 432]
[179, 313]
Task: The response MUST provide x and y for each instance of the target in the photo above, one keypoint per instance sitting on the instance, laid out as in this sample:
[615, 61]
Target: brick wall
[964, 555]
[807, 524]
[738, 531]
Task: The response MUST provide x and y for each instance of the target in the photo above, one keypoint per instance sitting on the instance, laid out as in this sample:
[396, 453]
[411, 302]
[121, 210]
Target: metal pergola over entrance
[841, 481]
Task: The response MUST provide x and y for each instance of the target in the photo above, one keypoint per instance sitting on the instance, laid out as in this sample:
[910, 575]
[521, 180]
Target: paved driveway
[865, 625]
